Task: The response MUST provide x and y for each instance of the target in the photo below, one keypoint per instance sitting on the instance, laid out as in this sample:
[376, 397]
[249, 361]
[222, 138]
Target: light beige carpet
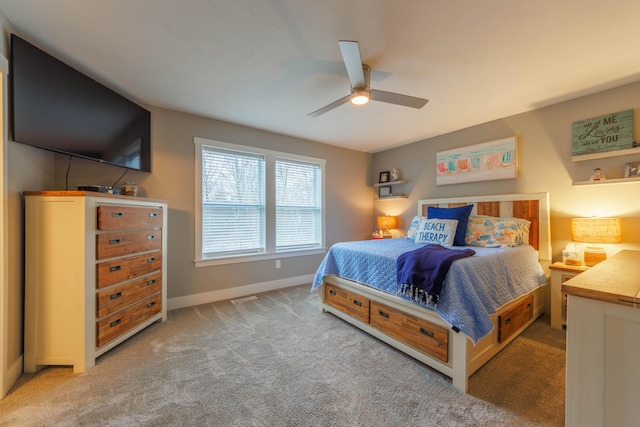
[279, 361]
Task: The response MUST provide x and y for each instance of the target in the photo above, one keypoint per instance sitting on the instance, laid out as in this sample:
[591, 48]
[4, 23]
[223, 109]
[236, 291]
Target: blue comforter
[474, 288]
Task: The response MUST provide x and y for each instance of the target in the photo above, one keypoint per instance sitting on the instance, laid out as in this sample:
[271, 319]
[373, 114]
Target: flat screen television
[57, 108]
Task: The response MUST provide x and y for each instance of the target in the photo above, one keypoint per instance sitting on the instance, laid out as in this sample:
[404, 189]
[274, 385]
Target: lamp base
[593, 256]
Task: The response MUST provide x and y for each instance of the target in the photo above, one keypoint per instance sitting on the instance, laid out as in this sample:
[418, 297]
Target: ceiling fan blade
[331, 106]
[353, 62]
[396, 98]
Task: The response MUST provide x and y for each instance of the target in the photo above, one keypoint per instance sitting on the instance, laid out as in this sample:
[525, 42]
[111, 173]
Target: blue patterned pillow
[460, 213]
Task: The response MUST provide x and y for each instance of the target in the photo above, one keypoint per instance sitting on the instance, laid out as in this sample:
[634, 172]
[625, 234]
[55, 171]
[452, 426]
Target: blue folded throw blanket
[421, 272]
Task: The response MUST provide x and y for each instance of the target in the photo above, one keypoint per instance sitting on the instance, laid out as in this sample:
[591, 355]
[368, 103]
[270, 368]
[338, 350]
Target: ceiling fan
[361, 93]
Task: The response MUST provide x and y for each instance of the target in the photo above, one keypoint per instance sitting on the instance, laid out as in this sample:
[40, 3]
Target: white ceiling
[268, 63]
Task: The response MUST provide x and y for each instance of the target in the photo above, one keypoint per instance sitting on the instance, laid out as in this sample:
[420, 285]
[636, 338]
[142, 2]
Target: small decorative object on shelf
[632, 169]
[597, 175]
[384, 191]
[384, 177]
[129, 188]
[377, 235]
[395, 174]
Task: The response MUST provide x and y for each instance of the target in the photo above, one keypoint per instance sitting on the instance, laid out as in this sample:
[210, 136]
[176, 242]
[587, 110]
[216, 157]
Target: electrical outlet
[277, 263]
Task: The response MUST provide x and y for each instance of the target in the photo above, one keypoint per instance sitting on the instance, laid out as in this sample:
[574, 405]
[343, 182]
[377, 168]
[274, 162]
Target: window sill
[208, 262]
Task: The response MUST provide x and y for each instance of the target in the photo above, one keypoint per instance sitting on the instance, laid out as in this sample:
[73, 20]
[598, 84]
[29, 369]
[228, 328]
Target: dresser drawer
[424, 336]
[120, 296]
[516, 317]
[114, 217]
[111, 245]
[113, 326]
[119, 270]
[352, 304]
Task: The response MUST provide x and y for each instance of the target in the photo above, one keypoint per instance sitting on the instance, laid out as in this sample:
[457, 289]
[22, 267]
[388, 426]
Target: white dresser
[603, 343]
[95, 274]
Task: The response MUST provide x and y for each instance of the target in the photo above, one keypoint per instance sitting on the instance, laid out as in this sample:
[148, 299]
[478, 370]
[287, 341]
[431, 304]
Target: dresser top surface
[616, 278]
[78, 193]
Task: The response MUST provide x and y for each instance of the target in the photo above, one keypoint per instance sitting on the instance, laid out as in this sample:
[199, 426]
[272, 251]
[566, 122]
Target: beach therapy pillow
[460, 213]
[497, 232]
[439, 231]
[413, 227]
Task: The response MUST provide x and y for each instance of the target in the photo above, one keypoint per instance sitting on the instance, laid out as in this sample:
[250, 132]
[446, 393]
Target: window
[256, 204]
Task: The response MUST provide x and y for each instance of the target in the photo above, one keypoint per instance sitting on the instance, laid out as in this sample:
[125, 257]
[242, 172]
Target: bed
[486, 299]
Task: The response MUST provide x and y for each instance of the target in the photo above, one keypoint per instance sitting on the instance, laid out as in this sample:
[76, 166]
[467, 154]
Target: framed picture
[479, 162]
[384, 191]
[632, 169]
[384, 177]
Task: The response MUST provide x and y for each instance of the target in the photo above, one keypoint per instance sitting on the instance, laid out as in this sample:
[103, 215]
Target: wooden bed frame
[422, 333]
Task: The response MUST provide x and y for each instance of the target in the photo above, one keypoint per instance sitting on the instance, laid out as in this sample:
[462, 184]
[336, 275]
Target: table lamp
[594, 231]
[386, 223]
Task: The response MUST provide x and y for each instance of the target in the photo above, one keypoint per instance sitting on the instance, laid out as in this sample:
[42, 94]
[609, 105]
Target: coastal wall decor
[479, 162]
[599, 137]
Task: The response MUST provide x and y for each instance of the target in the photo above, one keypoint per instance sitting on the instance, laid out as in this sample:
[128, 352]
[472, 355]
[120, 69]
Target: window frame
[270, 208]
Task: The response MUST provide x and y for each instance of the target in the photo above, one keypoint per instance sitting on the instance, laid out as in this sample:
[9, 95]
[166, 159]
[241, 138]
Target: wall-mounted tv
[55, 107]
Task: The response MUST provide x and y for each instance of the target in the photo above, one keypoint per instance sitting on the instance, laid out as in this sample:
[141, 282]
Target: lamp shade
[387, 222]
[596, 230]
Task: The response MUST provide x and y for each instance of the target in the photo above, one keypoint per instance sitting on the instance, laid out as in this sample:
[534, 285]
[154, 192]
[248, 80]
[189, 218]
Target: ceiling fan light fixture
[359, 96]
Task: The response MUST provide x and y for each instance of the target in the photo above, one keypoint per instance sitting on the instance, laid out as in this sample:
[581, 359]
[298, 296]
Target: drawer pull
[151, 282]
[426, 332]
[151, 304]
[114, 323]
[507, 320]
[116, 295]
[332, 292]
[358, 303]
[117, 214]
[151, 237]
[528, 306]
[383, 314]
[115, 268]
[114, 241]
[152, 259]
[153, 214]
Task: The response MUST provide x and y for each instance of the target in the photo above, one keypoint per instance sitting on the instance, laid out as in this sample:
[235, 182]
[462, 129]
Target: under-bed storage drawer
[352, 304]
[417, 333]
[513, 319]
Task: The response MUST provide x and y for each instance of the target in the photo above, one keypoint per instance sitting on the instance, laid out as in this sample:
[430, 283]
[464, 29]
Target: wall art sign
[610, 135]
[480, 162]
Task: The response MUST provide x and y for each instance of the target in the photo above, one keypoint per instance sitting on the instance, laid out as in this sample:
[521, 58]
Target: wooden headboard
[533, 207]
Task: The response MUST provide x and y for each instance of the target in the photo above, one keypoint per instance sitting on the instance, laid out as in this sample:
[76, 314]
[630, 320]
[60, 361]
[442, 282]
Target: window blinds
[298, 205]
[233, 202]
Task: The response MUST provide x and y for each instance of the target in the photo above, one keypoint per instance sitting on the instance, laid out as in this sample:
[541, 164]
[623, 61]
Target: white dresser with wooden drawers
[95, 274]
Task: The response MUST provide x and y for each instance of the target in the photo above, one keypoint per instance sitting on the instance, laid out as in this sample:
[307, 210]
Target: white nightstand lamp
[594, 231]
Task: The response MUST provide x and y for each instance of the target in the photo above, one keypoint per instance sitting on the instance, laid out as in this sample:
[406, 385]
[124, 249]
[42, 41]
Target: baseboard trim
[237, 292]
[11, 376]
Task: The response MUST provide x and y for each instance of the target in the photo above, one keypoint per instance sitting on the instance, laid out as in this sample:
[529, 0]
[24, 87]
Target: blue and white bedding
[474, 288]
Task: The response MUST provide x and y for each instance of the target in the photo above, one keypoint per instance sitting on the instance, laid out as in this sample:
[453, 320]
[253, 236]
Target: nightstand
[560, 273]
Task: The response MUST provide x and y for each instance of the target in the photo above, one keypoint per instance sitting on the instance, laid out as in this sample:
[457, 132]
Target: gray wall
[349, 203]
[544, 166]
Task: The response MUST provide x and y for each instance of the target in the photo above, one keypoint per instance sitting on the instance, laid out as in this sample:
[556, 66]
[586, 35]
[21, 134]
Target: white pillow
[439, 231]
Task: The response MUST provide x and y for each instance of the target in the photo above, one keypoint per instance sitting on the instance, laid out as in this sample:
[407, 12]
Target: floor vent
[245, 299]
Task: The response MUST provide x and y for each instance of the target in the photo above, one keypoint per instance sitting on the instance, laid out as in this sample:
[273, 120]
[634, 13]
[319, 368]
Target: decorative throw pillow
[413, 227]
[439, 231]
[497, 232]
[460, 213]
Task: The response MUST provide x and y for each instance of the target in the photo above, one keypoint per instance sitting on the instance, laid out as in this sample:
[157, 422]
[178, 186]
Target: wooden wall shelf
[629, 180]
